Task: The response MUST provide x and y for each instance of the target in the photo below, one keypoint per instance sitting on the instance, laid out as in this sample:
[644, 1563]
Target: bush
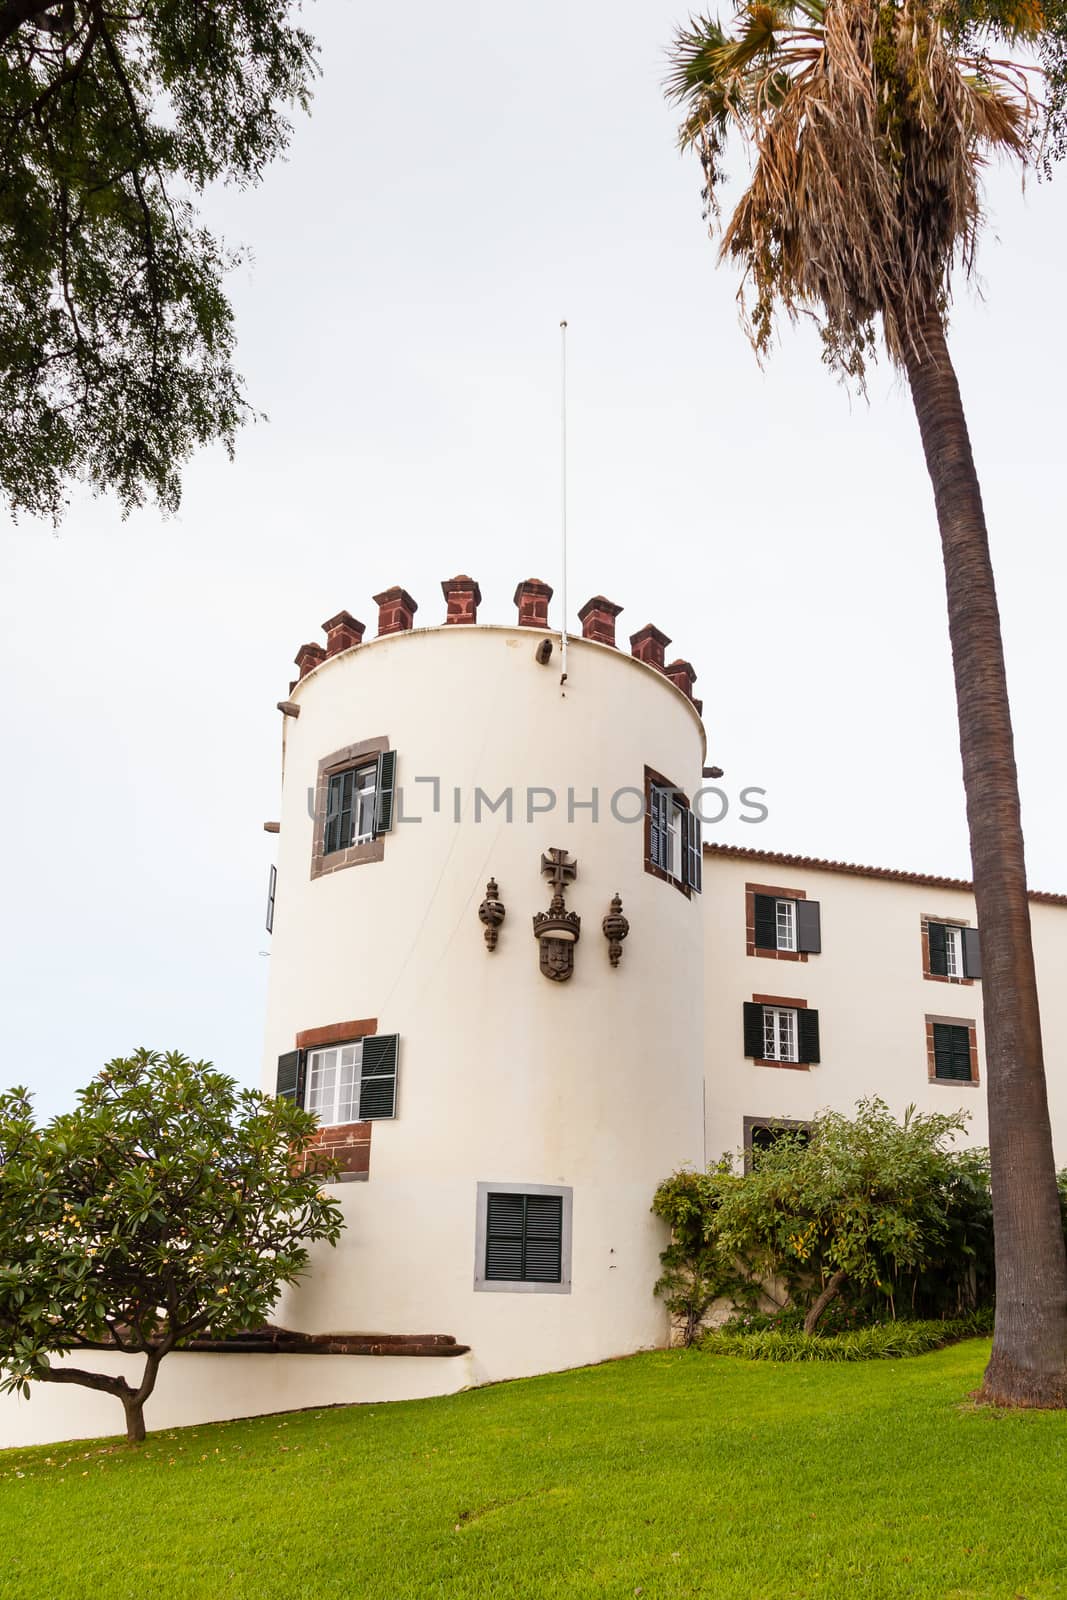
[883, 1341]
[862, 1220]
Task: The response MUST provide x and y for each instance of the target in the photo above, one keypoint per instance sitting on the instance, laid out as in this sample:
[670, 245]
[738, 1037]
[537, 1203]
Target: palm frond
[869, 130]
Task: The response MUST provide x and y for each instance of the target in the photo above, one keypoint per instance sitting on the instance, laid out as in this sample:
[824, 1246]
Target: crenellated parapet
[463, 596]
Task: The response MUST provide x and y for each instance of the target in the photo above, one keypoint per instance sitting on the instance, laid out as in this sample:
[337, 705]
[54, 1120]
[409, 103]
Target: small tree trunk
[1028, 1366]
[134, 1402]
[832, 1290]
[135, 1428]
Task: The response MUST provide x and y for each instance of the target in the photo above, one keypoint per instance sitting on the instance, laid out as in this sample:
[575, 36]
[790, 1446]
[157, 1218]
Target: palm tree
[869, 123]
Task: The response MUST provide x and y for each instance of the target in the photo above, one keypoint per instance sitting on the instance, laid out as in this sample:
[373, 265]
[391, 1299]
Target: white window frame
[781, 1033]
[329, 1110]
[676, 834]
[785, 924]
[364, 802]
[953, 951]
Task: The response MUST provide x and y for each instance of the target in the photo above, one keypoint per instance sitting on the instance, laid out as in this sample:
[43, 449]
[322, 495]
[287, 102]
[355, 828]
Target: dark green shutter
[754, 1040]
[524, 1238]
[692, 860]
[504, 1226]
[271, 888]
[377, 1086]
[543, 1243]
[659, 814]
[386, 784]
[337, 834]
[972, 953]
[809, 927]
[807, 1036]
[952, 1052]
[290, 1082]
[766, 922]
[937, 936]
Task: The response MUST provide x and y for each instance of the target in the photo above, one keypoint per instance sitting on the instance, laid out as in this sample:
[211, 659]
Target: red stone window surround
[351, 755]
[751, 891]
[931, 1065]
[941, 977]
[347, 1143]
[792, 1005]
[656, 780]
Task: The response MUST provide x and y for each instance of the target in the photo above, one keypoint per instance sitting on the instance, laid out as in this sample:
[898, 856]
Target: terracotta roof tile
[818, 864]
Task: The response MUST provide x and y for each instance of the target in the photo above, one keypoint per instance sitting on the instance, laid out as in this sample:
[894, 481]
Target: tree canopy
[116, 335]
[169, 1204]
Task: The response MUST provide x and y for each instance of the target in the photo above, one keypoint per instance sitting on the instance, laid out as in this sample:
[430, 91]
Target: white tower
[505, 1103]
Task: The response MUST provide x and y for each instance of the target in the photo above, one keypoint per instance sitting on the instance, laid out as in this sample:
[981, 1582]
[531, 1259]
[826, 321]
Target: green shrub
[863, 1220]
[884, 1341]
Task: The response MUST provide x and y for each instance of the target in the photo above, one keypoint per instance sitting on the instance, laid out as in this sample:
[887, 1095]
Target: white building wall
[505, 1076]
[871, 995]
[196, 1388]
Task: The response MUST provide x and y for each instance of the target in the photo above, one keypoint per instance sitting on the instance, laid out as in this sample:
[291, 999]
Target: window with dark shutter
[524, 1238]
[952, 1052]
[972, 953]
[377, 1087]
[290, 1081]
[766, 922]
[760, 1136]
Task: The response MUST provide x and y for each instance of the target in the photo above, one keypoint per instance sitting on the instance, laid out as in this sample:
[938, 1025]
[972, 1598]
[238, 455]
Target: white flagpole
[563, 493]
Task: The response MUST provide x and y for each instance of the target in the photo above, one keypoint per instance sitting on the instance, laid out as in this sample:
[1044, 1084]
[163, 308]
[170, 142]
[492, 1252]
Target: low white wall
[216, 1388]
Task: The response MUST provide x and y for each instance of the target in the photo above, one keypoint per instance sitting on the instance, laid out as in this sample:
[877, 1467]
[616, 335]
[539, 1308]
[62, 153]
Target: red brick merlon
[737, 852]
[273, 1341]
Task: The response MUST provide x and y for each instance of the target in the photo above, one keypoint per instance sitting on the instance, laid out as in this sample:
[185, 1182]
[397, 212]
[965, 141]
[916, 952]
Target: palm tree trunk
[1028, 1366]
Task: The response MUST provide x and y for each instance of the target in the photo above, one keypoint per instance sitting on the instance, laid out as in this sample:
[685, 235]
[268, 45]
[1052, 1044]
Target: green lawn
[670, 1474]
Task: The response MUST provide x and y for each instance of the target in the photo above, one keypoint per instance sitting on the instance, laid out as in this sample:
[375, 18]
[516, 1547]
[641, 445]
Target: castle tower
[504, 1095]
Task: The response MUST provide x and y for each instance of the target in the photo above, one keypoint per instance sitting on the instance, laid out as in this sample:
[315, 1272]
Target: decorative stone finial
[492, 913]
[615, 927]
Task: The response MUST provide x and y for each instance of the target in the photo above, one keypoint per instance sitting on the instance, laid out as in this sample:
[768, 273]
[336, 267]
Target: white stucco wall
[215, 1388]
[872, 999]
[505, 1076]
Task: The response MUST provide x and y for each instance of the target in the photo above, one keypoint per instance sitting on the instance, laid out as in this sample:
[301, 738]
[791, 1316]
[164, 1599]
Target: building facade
[519, 989]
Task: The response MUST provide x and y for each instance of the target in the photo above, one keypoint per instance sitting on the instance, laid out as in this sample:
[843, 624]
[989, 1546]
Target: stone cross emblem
[557, 930]
[559, 869]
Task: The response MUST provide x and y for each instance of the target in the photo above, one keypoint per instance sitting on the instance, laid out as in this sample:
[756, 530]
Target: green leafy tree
[698, 1268]
[169, 1204]
[862, 1206]
[116, 336]
[868, 124]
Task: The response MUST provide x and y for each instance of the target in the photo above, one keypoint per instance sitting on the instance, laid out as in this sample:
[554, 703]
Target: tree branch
[88, 1380]
[14, 13]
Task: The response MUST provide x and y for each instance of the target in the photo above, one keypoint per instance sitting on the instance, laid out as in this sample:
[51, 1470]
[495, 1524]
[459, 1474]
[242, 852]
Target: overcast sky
[470, 175]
